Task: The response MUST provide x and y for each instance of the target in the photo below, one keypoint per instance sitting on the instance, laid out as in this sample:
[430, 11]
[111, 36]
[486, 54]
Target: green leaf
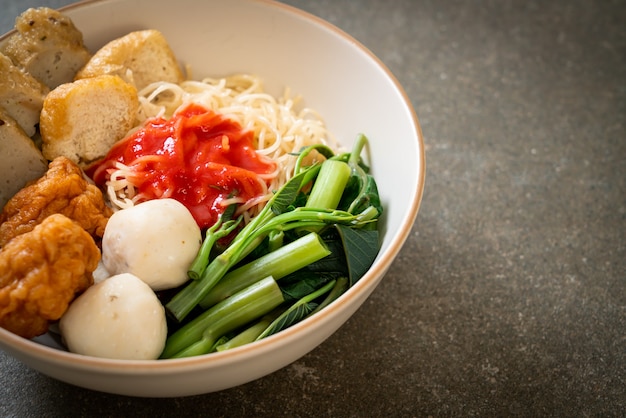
[296, 312]
[288, 193]
[303, 282]
[361, 247]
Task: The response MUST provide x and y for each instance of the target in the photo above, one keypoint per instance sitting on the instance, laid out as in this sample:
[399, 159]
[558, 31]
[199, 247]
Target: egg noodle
[280, 129]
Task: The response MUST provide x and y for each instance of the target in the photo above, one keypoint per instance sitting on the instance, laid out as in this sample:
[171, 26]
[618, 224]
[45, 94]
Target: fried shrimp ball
[62, 189]
[42, 271]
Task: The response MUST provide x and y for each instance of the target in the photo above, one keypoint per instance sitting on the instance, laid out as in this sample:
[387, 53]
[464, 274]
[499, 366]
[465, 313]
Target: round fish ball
[118, 318]
[156, 241]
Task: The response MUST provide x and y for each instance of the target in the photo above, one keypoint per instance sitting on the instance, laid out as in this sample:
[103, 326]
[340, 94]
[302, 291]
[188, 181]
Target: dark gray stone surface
[509, 297]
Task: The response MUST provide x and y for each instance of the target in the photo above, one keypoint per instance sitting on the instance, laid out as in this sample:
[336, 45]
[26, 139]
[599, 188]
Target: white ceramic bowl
[337, 76]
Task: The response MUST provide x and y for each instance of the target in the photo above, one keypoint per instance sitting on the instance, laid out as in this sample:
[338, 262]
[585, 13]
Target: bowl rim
[18, 345]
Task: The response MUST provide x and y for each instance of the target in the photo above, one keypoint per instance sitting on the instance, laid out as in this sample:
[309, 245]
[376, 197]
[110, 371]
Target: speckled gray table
[509, 298]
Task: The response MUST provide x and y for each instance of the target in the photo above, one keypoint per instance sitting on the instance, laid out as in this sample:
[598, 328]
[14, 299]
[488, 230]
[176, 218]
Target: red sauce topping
[197, 157]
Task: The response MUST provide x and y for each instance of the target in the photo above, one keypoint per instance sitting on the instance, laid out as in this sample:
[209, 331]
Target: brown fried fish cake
[42, 271]
[63, 189]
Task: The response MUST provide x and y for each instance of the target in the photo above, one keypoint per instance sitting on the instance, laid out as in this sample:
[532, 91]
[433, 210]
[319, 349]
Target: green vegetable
[200, 335]
[270, 219]
[296, 312]
[329, 185]
[277, 264]
[213, 234]
[361, 249]
[299, 284]
[184, 301]
[248, 335]
[341, 285]
[361, 191]
[315, 238]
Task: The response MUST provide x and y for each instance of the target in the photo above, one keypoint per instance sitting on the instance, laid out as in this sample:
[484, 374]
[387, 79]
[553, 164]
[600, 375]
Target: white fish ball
[155, 240]
[118, 318]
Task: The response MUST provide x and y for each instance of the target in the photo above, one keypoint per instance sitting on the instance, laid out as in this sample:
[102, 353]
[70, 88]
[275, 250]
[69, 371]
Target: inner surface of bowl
[335, 75]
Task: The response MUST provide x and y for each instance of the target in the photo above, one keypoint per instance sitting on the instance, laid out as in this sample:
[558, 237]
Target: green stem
[248, 335]
[198, 336]
[369, 214]
[296, 312]
[339, 289]
[213, 234]
[303, 217]
[329, 185]
[275, 240]
[359, 144]
[184, 301]
[279, 263]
